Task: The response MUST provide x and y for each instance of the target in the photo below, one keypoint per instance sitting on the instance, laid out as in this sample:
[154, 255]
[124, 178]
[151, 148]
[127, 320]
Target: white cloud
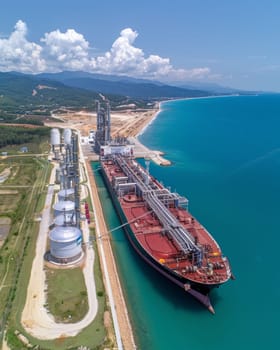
[59, 51]
[124, 58]
[19, 54]
[67, 50]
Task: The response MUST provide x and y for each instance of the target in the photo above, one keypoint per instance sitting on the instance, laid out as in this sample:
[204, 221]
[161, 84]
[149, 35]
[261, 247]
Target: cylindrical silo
[64, 207]
[65, 220]
[65, 244]
[66, 194]
[55, 137]
[67, 133]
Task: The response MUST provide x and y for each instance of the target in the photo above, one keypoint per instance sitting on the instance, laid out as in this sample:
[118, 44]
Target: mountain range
[123, 85]
[43, 93]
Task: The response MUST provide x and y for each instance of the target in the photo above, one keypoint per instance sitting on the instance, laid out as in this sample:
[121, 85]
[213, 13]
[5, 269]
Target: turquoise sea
[226, 159]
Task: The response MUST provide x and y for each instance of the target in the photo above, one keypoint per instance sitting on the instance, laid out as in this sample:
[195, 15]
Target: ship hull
[199, 291]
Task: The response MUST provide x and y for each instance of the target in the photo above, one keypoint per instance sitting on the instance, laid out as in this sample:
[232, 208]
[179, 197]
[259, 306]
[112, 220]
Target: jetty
[141, 151]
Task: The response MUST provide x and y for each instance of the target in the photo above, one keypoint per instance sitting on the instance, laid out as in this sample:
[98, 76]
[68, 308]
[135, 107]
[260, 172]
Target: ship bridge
[158, 199]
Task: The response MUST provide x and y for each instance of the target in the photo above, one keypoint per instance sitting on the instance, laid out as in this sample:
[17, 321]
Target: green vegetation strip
[28, 172]
[93, 337]
[14, 135]
[67, 296]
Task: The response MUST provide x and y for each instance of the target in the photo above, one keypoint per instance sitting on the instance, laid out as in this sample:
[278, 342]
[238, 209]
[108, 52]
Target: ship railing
[170, 224]
[182, 237]
[120, 180]
[125, 188]
[227, 266]
[168, 198]
[132, 169]
[129, 171]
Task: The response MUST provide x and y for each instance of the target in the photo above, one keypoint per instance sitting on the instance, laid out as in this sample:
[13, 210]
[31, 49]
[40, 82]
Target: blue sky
[233, 43]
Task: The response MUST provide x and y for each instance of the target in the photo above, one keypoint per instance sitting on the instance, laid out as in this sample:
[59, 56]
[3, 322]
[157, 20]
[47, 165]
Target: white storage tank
[65, 220]
[65, 244]
[66, 194]
[55, 137]
[67, 134]
[64, 207]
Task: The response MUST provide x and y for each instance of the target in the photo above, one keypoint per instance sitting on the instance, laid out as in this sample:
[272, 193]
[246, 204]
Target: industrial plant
[65, 236]
[103, 142]
[103, 126]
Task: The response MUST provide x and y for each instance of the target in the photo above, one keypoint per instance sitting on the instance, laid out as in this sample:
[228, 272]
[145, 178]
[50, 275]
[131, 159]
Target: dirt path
[35, 317]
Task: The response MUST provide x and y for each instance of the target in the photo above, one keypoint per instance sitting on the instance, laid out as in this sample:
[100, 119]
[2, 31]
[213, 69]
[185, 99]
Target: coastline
[141, 132]
[203, 97]
[224, 304]
[156, 155]
[141, 150]
[157, 112]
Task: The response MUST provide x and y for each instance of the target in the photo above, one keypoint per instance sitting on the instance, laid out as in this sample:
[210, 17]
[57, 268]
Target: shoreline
[156, 155]
[158, 110]
[143, 151]
[194, 98]
[202, 97]
[141, 132]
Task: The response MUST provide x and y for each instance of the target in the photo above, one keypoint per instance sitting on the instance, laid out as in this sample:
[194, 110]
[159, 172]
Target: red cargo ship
[161, 229]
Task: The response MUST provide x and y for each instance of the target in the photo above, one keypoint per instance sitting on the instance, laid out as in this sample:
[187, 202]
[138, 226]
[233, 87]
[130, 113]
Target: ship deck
[162, 247]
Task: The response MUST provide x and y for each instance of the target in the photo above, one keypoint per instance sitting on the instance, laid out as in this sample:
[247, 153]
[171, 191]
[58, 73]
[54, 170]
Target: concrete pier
[141, 151]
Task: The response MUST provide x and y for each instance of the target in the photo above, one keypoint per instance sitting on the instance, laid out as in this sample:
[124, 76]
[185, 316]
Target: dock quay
[141, 151]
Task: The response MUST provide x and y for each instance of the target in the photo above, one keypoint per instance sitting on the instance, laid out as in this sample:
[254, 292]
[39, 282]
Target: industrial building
[103, 127]
[56, 143]
[65, 237]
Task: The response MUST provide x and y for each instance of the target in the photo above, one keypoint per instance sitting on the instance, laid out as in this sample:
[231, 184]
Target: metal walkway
[157, 198]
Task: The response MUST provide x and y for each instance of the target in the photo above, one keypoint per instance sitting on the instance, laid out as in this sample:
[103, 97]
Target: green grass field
[66, 296]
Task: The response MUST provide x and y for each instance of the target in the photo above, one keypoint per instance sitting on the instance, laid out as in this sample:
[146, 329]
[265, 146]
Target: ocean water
[225, 155]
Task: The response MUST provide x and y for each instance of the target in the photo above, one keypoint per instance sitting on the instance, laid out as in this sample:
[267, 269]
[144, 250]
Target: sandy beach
[129, 122]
